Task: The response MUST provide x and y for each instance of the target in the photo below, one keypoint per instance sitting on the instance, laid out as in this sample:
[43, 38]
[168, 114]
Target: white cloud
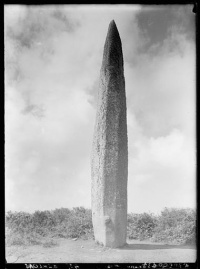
[164, 167]
[14, 13]
[161, 91]
[161, 125]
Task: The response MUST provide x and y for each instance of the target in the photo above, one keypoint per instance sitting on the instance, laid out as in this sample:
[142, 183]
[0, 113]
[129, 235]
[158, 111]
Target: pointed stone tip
[112, 48]
[112, 30]
[112, 25]
[113, 22]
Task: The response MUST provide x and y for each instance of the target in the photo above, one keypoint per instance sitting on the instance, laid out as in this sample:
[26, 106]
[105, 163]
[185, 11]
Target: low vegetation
[44, 227]
[171, 226]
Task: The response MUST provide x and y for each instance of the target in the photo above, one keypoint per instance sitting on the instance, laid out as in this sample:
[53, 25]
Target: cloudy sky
[53, 57]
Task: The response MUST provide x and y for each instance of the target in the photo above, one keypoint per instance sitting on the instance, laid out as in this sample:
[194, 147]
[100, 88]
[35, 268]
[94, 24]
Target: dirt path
[86, 251]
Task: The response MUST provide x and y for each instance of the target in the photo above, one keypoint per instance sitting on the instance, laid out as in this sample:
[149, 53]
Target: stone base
[108, 232]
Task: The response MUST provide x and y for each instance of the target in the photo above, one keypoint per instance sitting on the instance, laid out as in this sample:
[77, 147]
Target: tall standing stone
[110, 148]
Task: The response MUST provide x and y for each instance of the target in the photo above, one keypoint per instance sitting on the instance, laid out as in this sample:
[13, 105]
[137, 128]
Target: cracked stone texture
[109, 165]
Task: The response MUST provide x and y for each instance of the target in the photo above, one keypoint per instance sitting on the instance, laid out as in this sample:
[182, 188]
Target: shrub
[141, 226]
[61, 215]
[80, 223]
[176, 225]
[172, 225]
[14, 238]
[25, 228]
[18, 238]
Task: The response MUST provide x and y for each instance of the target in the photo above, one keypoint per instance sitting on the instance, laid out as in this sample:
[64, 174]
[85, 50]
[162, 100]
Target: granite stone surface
[109, 164]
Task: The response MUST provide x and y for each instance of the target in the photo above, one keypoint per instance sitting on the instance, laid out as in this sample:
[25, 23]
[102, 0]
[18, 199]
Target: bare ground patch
[86, 251]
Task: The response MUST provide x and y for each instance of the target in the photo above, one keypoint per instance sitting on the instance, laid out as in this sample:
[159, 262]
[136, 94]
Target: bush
[141, 226]
[176, 225]
[18, 238]
[172, 225]
[80, 224]
[14, 238]
[61, 215]
[24, 228]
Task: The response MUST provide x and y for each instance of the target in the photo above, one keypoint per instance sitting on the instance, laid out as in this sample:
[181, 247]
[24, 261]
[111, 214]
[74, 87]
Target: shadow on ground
[153, 246]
